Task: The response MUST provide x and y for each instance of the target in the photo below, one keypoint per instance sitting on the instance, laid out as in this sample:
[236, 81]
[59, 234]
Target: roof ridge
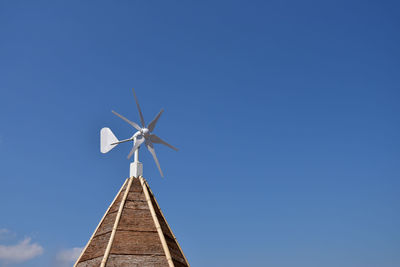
[101, 221]
[117, 219]
[166, 222]
[156, 222]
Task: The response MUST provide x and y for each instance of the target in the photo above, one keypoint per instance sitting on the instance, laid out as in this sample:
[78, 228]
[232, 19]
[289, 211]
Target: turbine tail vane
[107, 140]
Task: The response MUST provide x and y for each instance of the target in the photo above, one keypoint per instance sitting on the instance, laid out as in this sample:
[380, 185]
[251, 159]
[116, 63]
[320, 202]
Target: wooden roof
[133, 232]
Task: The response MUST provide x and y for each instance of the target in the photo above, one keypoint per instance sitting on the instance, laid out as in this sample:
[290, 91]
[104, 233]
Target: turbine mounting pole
[136, 157]
[136, 168]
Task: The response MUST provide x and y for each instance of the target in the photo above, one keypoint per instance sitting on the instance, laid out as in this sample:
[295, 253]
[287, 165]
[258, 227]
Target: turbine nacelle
[145, 132]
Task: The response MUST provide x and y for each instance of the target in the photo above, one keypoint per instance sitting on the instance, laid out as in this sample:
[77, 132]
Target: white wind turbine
[143, 135]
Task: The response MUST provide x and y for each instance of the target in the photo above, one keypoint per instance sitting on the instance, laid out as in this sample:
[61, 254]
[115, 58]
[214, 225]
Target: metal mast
[136, 168]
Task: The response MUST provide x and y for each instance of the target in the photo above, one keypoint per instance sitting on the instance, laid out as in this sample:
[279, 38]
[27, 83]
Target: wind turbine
[143, 135]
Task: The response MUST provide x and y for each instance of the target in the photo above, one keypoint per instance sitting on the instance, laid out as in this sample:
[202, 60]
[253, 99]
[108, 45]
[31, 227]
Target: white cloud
[23, 251]
[67, 257]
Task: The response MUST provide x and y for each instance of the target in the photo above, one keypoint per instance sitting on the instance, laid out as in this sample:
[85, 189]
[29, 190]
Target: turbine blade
[135, 146]
[138, 107]
[137, 127]
[153, 123]
[153, 153]
[155, 139]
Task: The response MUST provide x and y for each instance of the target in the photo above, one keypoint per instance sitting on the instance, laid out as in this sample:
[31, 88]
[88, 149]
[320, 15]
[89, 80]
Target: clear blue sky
[286, 114]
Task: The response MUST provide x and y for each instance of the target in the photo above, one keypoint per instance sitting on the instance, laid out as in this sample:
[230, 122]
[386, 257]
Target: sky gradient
[286, 114]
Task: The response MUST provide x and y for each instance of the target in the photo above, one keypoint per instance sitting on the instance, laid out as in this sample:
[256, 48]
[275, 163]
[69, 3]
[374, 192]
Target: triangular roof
[133, 232]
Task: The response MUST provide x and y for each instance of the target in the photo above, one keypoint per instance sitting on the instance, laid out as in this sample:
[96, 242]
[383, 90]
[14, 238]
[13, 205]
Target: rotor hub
[145, 132]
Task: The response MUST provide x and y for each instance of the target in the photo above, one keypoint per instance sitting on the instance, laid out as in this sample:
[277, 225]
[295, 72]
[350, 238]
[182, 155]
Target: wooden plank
[136, 196]
[176, 250]
[179, 264]
[90, 263]
[101, 221]
[136, 186]
[156, 222]
[136, 220]
[96, 248]
[115, 205]
[121, 206]
[137, 205]
[132, 242]
[107, 224]
[137, 260]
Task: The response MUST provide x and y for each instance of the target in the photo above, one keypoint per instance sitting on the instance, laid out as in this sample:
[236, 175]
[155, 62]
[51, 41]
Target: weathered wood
[162, 221]
[138, 205]
[97, 247]
[178, 263]
[136, 220]
[156, 222]
[175, 251]
[90, 263]
[136, 186]
[101, 221]
[136, 196]
[115, 205]
[173, 245]
[136, 261]
[107, 224]
[133, 242]
[117, 218]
